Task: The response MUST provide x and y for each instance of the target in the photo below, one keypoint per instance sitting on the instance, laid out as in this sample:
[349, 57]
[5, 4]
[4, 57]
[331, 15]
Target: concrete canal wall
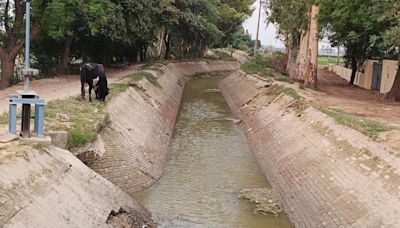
[137, 140]
[326, 174]
[52, 188]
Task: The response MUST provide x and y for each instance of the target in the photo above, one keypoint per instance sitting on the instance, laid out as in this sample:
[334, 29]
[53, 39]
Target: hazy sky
[267, 34]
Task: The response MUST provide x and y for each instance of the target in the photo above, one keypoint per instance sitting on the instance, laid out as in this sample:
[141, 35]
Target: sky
[267, 34]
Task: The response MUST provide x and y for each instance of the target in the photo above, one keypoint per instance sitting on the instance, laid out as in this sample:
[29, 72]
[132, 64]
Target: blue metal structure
[26, 97]
[15, 100]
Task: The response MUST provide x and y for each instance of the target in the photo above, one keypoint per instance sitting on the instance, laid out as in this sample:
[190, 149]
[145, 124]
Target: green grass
[87, 119]
[116, 89]
[141, 75]
[368, 127]
[283, 78]
[4, 118]
[257, 66]
[277, 89]
[325, 60]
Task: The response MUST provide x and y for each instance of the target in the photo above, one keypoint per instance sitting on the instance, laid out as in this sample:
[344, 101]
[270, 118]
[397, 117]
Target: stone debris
[235, 121]
[6, 138]
[62, 117]
[265, 202]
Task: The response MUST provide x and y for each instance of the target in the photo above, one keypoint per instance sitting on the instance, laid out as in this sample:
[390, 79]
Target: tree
[352, 23]
[12, 37]
[65, 19]
[297, 24]
[232, 14]
[242, 40]
[390, 11]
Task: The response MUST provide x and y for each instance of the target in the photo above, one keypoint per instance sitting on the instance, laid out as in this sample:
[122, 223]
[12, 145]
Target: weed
[283, 78]
[257, 66]
[302, 86]
[368, 127]
[277, 89]
[141, 75]
[4, 118]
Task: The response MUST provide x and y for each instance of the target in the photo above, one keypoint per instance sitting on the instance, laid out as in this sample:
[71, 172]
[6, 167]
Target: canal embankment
[49, 187]
[326, 174]
[136, 142]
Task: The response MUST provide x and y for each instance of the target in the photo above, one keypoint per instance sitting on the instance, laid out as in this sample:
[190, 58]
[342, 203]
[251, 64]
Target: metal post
[338, 55]
[12, 118]
[26, 108]
[27, 44]
[26, 120]
[258, 30]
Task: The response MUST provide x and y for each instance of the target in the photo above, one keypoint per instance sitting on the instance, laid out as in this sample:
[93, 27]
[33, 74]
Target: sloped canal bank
[209, 166]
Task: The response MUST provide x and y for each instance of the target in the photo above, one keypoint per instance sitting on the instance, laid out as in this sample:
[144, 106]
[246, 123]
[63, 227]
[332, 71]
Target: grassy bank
[368, 127]
[257, 66]
[84, 119]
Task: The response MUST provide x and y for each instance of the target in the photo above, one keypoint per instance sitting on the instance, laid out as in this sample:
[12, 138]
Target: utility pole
[338, 55]
[258, 30]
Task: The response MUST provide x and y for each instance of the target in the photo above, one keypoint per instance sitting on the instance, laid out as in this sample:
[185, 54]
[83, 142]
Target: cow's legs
[90, 91]
[83, 91]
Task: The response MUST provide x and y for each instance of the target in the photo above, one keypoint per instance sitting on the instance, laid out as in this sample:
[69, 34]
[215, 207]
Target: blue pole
[27, 43]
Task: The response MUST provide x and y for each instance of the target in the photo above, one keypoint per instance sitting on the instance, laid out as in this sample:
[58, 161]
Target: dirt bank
[137, 140]
[327, 175]
[52, 188]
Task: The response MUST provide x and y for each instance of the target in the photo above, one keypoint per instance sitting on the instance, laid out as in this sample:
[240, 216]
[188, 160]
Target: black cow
[101, 88]
[89, 72]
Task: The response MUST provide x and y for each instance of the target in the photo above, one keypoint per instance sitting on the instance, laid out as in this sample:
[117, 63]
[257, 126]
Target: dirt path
[337, 93]
[60, 86]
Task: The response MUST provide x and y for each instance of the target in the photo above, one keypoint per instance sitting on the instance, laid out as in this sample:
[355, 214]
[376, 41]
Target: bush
[276, 61]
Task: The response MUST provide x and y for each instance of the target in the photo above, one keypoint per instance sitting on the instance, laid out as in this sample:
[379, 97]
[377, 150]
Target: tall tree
[390, 11]
[297, 24]
[12, 19]
[64, 19]
[353, 23]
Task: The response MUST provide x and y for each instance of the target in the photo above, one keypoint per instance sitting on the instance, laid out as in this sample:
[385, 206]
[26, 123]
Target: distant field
[325, 60]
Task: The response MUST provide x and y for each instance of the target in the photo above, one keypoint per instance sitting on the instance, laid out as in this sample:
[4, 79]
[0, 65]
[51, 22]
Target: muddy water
[209, 165]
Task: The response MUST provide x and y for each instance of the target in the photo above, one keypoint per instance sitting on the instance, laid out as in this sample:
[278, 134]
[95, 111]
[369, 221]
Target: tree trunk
[167, 41]
[7, 71]
[312, 71]
[353, 71]
[394, 93]
[64, 65]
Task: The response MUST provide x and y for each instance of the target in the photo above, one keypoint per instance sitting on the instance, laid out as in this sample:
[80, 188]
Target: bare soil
[337, 93]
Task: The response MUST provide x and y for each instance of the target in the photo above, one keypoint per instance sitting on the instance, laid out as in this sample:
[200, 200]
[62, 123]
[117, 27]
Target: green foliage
[290, 16]
[368, 127]
[353, 24]
[87, 119]
[78, 138]
[257, 66]
[117, 89]
[4, 118]
[326, 60]
[277, 89]
[283, 78]
[243, 41]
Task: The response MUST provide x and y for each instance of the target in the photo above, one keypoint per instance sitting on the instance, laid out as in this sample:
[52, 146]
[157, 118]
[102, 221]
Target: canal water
[209, 165]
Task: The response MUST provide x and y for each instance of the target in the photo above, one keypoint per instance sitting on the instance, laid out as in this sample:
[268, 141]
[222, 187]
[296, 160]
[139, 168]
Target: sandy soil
[61, 86]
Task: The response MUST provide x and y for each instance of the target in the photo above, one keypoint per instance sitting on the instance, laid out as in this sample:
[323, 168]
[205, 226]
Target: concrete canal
[209, 165]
